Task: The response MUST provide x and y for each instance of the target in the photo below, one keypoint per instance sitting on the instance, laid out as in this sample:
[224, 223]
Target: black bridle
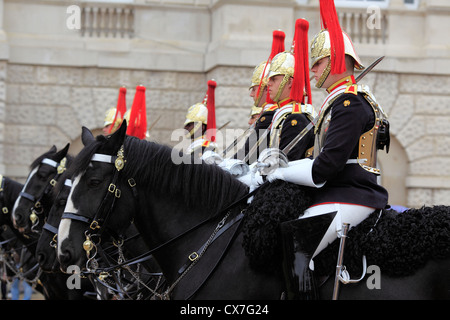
[37, 207]
[97, 222]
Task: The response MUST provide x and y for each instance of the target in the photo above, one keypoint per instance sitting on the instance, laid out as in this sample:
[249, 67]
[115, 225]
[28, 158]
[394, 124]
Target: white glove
[252, 179]
[298, 172]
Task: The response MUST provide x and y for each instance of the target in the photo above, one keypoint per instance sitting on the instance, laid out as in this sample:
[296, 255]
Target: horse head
[95, 192]
[34, 198]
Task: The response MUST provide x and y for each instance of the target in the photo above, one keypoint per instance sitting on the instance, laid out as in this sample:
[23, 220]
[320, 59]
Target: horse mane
[150, 165]
[204, 185]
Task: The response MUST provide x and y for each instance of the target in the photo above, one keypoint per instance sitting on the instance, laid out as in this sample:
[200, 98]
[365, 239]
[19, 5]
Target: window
[410, 4]
[361, 3]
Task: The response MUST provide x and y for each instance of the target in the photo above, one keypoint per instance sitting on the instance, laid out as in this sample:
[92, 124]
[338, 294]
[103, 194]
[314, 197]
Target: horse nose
[65, 258]
[18, 219]
[20, 222]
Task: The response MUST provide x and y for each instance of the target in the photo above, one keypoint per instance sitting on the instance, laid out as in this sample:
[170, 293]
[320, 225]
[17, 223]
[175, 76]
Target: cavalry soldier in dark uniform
[288, 85]
[264, 108]
[196, 124]
[115, 116]
[344, 170]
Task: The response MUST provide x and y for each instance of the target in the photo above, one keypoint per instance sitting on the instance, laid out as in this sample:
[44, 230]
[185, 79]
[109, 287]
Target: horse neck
[174, 228]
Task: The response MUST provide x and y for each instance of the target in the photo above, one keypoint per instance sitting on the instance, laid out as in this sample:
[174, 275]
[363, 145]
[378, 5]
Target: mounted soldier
[115, 116]
[264, 108]
[288, 87]
[196, 124]
[343, 172]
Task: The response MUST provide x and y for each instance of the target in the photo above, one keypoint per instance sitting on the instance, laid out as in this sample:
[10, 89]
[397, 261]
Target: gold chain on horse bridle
[166, 294]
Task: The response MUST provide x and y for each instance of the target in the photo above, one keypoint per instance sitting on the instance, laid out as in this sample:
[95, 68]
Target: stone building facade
[63, 61]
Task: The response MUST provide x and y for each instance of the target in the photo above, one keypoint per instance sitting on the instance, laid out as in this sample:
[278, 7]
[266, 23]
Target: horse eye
[62, 202]
[42, 176]
[94, 182]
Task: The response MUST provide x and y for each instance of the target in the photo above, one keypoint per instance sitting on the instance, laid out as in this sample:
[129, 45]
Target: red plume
[300, 83]
[278, 37]
[138, 116]
[277, 43]
[210, 105]
[330, 21]
[121, 107]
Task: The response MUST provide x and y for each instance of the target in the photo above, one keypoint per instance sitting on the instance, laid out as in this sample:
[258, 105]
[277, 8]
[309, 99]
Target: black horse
[36, 197]
[191, 215]
[22, 248]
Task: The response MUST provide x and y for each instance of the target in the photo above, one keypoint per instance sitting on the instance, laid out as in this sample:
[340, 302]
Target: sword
[226, 123]
[340, 261]
[244, 134]
[153, 124]
[314, 121]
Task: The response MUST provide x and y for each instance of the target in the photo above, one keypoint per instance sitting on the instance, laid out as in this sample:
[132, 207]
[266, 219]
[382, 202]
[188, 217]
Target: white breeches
[346, 213]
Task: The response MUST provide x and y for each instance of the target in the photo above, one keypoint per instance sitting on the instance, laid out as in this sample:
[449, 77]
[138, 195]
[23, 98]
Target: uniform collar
[284, 102]
[347, 81]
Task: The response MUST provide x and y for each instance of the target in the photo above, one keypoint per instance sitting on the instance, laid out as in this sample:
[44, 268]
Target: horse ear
[118, 137]
[63, 152]
[52, 149]
[86, 136]
[121, 133]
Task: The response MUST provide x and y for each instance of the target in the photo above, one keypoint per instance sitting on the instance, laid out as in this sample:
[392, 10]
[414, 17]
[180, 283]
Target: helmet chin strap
[324, 75]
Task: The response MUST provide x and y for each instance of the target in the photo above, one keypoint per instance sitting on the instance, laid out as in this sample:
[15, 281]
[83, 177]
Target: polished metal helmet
[109, 119]
[197, 113]
[321, 48]
[109, 116]
[260, 75]
[283, 63]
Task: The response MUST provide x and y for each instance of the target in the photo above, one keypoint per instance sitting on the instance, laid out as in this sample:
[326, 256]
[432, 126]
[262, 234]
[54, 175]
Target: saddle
[399, 243]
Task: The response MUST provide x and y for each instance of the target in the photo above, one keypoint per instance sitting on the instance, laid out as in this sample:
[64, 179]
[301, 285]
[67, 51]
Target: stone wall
[54, 80]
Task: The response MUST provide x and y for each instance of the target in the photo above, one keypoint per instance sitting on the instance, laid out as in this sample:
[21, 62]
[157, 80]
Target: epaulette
[352, 89]
[272, 108]
[297, 108]
[206, 143]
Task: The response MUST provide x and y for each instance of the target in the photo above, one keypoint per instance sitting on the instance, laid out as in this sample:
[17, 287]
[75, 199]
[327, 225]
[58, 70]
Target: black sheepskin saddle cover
[272, 204]
[398, 243]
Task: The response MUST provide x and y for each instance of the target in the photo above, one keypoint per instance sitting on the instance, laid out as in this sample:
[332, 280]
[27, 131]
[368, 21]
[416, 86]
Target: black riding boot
[300, 238]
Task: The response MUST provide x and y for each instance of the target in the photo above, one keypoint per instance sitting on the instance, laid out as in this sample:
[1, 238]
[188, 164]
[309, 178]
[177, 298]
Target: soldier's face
[319, 67]
[274, 84]
[254, 94]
